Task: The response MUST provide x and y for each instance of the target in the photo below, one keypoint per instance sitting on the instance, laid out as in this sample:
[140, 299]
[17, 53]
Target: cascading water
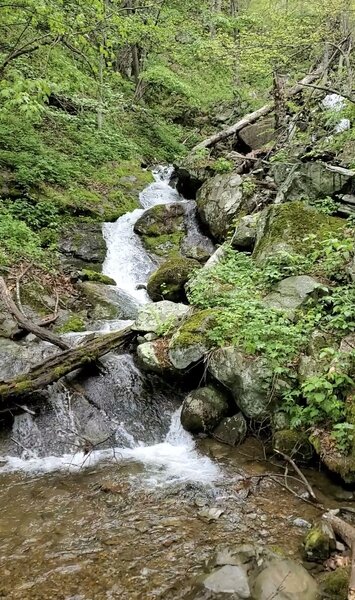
[123, 414]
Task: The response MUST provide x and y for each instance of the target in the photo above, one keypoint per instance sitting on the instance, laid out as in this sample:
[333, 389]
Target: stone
[88, 275]
[229, 580]
[232, 430]
[203, 409]
[291, 293]
[168, 281]
[195, 244]
[293, 443]
[258, 134]
[83, 245]
[245, 233]
[335, 584]
[319, 542]
[191, 342]
[153, 356]
[107, 302]
[219, 201]
[190, 176]
[292, 228]
[162, 229]
[18, 357]
[7, 324]
[284, 579]
[157, 317]
[248, 379]
[310, 180]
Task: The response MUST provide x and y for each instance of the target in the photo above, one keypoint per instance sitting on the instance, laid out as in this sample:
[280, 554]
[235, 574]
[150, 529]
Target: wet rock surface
[203, 409]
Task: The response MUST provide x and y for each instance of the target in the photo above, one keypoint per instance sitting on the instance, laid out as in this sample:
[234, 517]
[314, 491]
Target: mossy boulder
[258, 134]
[203, 409]
[168, 281]
[294, 228]
[219, 202]
[293, 443]
[162, 229]
[232, 430]
[249, 379]
[82, 246]
[319, 542]
[245, 233]
[191, 341]
[334, 585]
[73, 323]
[159, 317]
[88, 275]
[105, 302]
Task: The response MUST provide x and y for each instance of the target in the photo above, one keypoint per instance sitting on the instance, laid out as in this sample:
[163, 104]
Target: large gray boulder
[312, 180]
[18, 357]
[159, 316]
[284, 579]
[291, 293]
[232, 430]
[258, 134]
[191, 341]
[248, 379]
[106, 302]
[168, 281]
[219, 201]
[203, 409]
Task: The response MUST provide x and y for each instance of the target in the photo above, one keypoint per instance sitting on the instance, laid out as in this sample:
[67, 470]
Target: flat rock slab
[231, 580]
[285, 580]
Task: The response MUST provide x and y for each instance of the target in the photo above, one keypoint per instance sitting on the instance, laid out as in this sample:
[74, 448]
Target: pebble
[301, 523]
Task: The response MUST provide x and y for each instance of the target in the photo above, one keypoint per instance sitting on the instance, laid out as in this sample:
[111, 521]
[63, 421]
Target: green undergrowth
[237, 285]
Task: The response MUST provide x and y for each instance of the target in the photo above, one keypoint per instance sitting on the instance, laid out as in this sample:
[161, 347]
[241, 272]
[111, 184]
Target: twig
[299, 473]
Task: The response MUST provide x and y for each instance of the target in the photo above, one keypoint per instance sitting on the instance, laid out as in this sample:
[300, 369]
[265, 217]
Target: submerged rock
[191, 342]
[291, 293]
[168, 281]
[232, 430]
[158, 317]
[249, 379]
[203, 409]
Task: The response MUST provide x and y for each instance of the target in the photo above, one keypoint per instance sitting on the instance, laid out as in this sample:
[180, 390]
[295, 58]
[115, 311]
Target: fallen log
[55, 367]
[347, 533]
[257, 114]
[24, 323]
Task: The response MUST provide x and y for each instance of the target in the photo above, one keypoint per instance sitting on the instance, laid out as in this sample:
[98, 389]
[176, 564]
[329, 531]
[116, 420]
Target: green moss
[170, 278]
[293, 443]
[288, 225]
[73, 323]
[167, 245]
[195, 329]
[335, 584]
[88, 275]
[317, 544]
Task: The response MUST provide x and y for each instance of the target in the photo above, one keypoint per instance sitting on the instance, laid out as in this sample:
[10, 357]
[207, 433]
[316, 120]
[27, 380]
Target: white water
[126, 261]
[175, 458]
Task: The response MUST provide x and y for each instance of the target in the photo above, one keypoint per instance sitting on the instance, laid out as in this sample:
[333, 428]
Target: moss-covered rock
[245, 232]
[162, 229]
[334, 585]
[153, 356]
[319, 542]
[88, 275]
[168, 281]
[294, 228]
[105, 302]
[191, 341]
[293, 443]
[73, 323]
[83, 246]
[203, 409]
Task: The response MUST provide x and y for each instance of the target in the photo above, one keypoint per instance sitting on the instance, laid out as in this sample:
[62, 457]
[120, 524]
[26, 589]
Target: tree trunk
[58, 366]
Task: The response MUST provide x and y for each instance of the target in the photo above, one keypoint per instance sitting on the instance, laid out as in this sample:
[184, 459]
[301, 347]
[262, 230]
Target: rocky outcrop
[294, 228]
[105, 302]
[245, 233]
[82, 247]
[249, 380]
[191, 342]
[18, 357]
[159, 317]
[203, 409]
[219, 201]
[291, 293]
[168, 281]
[259, 134]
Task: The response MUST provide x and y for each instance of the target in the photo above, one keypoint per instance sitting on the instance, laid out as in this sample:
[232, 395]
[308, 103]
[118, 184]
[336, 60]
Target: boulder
[203, 409]
[294, 228]
[284, 579]
[107, 302]
[157, 317]
[258, 134]
[245, 233]
[335, 584]
[162, 229]
[232, 430]
[293, 443]
[309, 180]
[191, 175]
[18, 357]
[229, 580]
[249, 380]
[219, 201]
[168, 281]
[153, 356]
[191, 342]
[83, 245]
[291, 293]
[195, 244]
[7, 324]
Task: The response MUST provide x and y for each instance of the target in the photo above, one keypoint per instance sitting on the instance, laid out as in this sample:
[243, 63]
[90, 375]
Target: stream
[130, 517]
